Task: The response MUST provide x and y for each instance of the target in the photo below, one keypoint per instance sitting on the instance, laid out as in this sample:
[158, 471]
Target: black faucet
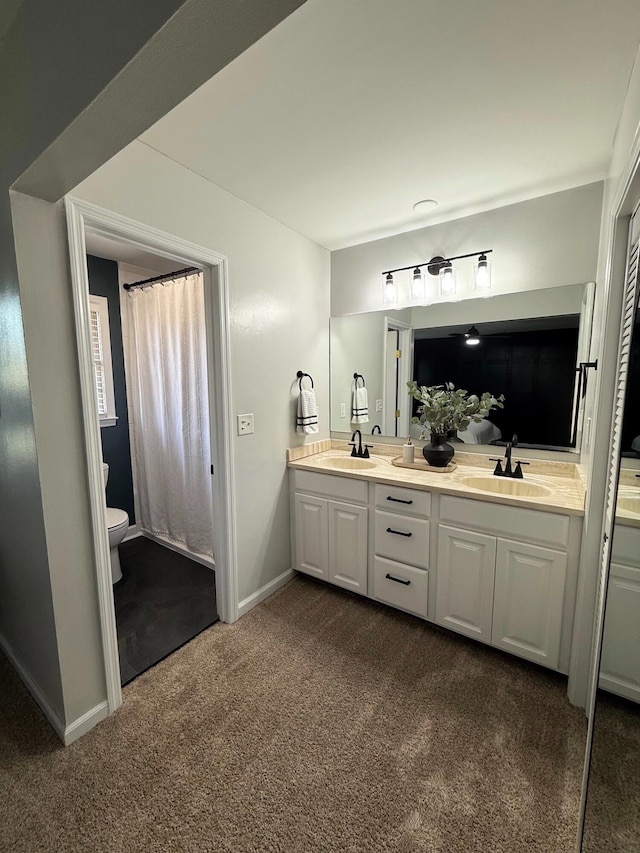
[362, 452]
[376, 427]
[514, 474]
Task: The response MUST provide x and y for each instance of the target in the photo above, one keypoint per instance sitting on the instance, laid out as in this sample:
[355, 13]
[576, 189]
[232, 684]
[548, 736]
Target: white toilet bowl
[118, 524]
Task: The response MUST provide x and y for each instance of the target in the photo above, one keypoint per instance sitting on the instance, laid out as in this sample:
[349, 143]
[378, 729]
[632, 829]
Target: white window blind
[101, 355]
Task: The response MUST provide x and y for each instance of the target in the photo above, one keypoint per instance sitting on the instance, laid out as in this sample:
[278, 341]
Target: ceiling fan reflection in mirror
[472, 336]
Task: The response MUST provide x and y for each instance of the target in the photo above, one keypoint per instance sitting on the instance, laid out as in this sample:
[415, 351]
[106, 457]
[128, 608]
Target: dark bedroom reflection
[532, 363]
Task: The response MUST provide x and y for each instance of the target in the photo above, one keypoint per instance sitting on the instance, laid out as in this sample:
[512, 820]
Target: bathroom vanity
[498, 567]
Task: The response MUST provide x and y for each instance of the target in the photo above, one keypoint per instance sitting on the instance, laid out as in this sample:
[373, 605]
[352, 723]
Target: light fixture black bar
[166, 277]
[440, 261]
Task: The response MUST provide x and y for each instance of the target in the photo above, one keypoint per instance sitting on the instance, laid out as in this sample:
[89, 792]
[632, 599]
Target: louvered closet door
[629, 310]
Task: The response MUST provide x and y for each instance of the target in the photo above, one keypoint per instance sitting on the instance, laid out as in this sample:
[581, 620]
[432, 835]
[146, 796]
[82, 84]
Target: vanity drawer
[402, 538]
[400, 585]
[409, 501]
[332, 486]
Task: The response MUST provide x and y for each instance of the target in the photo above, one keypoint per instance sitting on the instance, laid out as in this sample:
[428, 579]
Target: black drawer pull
[397, 580]
[398, 500]
[398, 532]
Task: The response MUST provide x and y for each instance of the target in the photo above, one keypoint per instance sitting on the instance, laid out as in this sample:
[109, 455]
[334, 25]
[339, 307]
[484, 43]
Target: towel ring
[301, 376]
[357, 376]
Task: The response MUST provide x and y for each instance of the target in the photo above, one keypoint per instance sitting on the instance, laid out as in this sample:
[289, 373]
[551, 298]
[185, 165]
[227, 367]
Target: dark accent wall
[116, 449]
[534, 370]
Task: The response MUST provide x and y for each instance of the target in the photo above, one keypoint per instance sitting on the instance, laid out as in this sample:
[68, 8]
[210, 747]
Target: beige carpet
[319, 722]
[612, 821]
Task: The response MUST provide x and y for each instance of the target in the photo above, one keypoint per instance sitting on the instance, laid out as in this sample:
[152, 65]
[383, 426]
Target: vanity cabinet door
[528, 601]
[348, 546]
[620, 663]
[312, 535]
[464, 595]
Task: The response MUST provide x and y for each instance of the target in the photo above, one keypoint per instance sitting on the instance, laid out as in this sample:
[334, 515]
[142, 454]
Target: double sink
[480, 482]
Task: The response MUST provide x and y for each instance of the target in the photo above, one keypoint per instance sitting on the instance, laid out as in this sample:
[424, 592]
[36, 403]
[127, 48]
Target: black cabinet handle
[397, 580]
[398, 532]
[398, 500]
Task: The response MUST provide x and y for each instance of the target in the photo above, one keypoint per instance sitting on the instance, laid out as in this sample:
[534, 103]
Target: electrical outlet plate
[343, 410]
[378, 405]
[245, 424]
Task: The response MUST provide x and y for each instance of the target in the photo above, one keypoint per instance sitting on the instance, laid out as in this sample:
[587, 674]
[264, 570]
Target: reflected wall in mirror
[612, 818]
[530, 345]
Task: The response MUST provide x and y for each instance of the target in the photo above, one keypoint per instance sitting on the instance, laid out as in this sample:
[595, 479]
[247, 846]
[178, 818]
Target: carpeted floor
[319, 722]
[612, 820]
[162, 601]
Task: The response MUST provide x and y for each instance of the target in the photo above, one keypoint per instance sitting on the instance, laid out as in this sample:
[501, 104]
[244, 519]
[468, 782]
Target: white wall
[279, 305]
[78, 82]
[357, 347]
[549, 241]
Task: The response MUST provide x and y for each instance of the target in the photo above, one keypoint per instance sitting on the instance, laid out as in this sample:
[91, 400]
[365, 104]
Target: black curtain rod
[168, 276]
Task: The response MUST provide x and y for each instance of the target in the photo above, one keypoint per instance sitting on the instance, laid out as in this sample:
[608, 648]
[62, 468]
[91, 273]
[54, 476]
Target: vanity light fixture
[442, 267]
[389, 290]
[481, 274]
[447, 279]
[417, 286]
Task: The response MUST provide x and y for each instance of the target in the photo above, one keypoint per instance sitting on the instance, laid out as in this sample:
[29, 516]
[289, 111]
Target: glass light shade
[447, 280]
[482, 274]
[389, 290]
[417, 286]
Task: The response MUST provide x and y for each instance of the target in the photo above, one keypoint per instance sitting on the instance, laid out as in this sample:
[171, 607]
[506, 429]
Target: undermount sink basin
[350, 463]
[629, 503]
[505, 486]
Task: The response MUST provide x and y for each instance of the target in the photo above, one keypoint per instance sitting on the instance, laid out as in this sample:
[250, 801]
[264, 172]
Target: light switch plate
[245, 424]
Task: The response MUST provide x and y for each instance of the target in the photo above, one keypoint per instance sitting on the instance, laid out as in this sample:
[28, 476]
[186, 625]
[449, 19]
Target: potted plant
[444, 408]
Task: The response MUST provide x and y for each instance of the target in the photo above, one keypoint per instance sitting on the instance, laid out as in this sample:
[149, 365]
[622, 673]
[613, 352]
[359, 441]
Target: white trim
[80, 216]
[179, 549]
[265, 591]
[34, 690]
[107, 422]
[85, 723]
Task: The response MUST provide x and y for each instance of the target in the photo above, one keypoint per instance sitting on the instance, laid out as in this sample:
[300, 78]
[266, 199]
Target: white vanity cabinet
[330, 530]
[620, 662]
[491, 585]
[401, 543]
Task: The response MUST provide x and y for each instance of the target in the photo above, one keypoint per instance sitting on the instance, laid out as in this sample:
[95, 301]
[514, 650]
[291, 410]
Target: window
[101, 355]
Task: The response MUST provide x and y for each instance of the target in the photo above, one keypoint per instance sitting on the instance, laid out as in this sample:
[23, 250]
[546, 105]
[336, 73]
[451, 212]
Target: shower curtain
[169, 411]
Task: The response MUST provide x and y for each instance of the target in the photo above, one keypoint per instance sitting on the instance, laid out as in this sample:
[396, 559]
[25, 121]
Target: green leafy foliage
[445, 407]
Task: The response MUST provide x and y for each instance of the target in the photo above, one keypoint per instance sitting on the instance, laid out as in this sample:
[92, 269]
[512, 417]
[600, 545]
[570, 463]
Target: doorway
[88, 222]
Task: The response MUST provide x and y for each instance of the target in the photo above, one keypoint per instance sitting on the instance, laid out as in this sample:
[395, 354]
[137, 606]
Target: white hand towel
[360, 406]
[307, 419]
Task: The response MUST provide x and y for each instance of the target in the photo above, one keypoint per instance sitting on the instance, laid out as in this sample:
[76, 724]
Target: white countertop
[566, 489]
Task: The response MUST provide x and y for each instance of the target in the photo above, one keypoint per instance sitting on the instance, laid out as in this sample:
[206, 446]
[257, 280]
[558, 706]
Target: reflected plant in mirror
[445, 408]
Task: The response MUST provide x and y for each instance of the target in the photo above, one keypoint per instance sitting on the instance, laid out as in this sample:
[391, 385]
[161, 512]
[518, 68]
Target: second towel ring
[301, 375]
[356, 377]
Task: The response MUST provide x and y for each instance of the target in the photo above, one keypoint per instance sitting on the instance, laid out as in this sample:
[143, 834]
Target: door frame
[392, 324]
[82, 217]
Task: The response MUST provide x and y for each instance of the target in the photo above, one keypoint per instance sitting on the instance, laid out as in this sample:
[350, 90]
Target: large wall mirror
[612, 818]
[530, 349]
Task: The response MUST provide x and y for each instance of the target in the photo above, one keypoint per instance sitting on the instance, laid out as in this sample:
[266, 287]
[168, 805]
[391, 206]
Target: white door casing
[83, 216]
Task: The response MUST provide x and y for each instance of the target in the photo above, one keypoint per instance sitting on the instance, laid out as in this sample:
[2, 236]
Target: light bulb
[417, 286]
[447, 280]
[482, 277]
[389, 290]
[472, 337]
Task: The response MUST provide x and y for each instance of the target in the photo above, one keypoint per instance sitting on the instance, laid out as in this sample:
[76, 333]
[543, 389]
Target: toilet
[118, 524]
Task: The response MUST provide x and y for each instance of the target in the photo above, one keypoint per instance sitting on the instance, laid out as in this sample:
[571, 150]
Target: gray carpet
[319, 722]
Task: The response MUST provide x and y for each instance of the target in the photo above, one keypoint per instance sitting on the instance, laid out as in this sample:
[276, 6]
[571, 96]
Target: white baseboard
[198, 558]
[86, 722]
[264, 592]
[34, 690]
[132, 531]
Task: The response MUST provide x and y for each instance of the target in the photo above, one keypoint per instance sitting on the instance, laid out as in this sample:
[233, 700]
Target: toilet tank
[105, 473]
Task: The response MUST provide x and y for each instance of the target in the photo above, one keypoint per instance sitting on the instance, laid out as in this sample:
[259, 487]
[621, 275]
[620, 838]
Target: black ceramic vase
[438, 453]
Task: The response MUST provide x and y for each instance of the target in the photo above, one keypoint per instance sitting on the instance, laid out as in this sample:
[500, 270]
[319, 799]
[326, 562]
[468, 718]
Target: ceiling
[347, 113]
[119, 250]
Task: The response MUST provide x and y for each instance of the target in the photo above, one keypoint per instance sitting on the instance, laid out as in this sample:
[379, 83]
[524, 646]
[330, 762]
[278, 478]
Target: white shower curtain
[169, 411]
